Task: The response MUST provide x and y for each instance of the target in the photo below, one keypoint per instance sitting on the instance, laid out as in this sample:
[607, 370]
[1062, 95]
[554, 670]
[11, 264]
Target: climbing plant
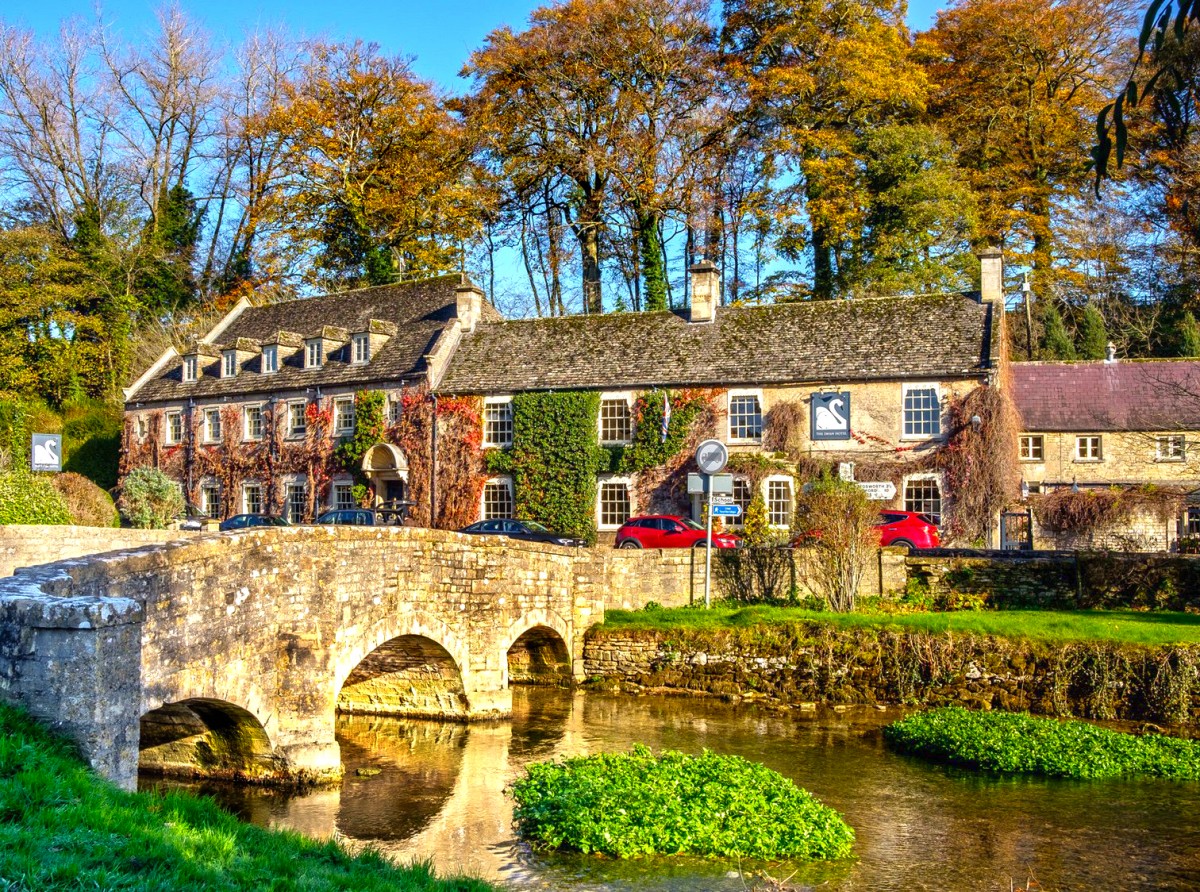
[369, 429]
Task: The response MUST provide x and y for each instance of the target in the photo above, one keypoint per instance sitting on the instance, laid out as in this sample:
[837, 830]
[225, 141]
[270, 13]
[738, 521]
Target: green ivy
[498, 461]
[649, 449]
[555, 458]
[369, 429]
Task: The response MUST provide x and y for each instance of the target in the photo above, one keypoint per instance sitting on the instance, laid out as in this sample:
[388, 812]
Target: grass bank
[61, 827]
[1117, 626]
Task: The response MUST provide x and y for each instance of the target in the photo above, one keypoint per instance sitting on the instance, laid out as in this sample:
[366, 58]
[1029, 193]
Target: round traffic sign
[711, 456]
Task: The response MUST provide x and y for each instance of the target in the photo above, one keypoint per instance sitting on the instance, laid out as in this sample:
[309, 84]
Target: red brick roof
[1156, 395]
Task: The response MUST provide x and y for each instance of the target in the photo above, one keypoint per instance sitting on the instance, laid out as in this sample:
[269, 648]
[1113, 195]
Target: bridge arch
[201, 736]
[536, 649]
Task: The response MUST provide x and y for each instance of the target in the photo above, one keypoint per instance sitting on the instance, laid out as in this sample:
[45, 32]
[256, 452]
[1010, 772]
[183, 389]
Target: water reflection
[420, 789]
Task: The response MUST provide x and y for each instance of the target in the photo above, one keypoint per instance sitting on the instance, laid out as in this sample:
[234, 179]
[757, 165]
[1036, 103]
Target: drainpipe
[433, 462]
[189, 454]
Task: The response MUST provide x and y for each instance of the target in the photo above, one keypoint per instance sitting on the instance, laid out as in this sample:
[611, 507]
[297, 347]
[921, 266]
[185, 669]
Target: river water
[432, 790]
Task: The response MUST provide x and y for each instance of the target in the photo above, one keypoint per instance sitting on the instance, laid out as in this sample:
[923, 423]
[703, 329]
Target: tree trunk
[588, 233]
[822, 265]
[654, 271]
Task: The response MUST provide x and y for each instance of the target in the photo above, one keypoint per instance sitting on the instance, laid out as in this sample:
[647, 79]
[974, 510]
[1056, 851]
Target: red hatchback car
[668, 531]
[904, 528]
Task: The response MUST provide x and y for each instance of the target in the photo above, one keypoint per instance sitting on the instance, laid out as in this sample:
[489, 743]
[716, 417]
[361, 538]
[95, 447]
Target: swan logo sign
[831, 416]
[47, 452]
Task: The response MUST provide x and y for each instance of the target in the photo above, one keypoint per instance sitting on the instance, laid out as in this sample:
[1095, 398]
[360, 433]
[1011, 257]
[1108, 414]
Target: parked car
[902, 528]
[390, 514]
[245, 521]
[193, 518]
[669, 531]
[527, 530]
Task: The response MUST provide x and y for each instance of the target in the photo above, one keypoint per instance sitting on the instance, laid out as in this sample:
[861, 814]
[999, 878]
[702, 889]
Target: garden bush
[1019, 743]
[150, 499]
[633, 804]
[30, 498]
[90, 506]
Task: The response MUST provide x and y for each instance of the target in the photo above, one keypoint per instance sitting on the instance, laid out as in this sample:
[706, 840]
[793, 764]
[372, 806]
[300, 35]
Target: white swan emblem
[46, 453]
[830, 418]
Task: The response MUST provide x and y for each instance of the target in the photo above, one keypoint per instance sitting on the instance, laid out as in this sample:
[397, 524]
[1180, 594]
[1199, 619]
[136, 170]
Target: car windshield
[691, 524]
[534, 526]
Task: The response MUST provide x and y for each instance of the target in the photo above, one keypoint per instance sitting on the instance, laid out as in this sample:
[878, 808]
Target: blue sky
[440, 34]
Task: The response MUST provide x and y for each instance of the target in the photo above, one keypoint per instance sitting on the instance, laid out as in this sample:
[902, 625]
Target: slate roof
[927, 337]
[420, 310]
[1160, 395]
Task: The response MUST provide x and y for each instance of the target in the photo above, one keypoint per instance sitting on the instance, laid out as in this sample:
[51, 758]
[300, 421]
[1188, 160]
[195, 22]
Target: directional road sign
[879, 491]
[726, 510]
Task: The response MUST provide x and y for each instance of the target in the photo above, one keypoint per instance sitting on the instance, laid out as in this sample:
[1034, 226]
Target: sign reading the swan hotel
[830, 413]
[47, 452]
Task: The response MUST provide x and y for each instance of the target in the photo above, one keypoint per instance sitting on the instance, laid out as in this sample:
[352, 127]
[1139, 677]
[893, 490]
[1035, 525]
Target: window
[1032, 447]
[497, 499]
[497, 423]
[296, 502]
[613, 503]
[141, 427]
[616, 421]
[253, 416]
[745, 417]
[922, 411]
[395, 409]
[191, 367]
[1087, 448]
[174, 427]
[342, 496]
[779, 501]
[252, 502]
[924, 496]
[297, 420]
[229, 366]
[210, 499]
[1170, 447]
[314, 354]
[362, 348]
[270, 359]
[743, 492]
[212, 425]
[343, 416]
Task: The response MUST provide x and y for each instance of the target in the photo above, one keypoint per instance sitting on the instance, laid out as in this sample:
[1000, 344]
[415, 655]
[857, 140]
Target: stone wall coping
[30, 597]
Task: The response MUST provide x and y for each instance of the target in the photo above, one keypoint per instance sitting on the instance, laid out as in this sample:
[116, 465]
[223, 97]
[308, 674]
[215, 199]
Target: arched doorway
[410, 675]
[206, 738]
[385, 466]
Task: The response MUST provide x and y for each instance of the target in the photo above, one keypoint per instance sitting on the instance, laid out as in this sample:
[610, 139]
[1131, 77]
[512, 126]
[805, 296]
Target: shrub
[30, 498]
[838, 521]
[90, 506]
[150, 499]
[92, 441]
[636, 803]
[1021, 744]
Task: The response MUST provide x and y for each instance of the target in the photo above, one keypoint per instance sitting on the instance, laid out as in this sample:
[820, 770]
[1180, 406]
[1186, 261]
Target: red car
[668, 531]
[905, 528]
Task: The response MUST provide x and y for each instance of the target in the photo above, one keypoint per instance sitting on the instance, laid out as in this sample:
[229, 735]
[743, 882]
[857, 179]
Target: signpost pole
[709, 549]
[711, 458]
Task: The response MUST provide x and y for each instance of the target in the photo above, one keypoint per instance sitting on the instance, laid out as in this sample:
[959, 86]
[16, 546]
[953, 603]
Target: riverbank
[1140, 667]
[63, 827]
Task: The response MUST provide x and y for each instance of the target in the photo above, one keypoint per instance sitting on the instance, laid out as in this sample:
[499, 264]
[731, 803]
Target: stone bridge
[231, 654]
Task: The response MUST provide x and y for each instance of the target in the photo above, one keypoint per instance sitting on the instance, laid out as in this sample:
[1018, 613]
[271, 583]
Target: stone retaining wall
[30, 545]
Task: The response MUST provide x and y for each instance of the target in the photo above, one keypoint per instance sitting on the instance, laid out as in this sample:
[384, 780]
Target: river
[433, 790]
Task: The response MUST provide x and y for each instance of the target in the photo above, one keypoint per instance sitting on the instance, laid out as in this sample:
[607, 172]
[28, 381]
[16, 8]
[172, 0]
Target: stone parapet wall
[31, 546]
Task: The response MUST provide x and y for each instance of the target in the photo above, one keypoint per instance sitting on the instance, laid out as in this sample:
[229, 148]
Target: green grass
[633, 804]
[62, 827]
[1017, 743]
[1121, 626]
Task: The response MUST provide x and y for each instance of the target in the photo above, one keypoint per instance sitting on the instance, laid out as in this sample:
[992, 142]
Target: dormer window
[361, 348]
[270, 359]
[191, 366]
[314, 355]
[229, 364]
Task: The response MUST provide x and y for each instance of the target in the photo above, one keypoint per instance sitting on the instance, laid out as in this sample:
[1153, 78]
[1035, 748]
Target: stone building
[1110, 428]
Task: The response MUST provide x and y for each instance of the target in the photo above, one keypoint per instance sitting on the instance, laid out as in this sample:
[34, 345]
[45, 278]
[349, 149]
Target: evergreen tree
[1093, 337]
[1187, 334]
[1055, 342]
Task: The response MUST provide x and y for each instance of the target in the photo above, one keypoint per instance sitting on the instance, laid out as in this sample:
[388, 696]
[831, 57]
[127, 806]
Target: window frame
[246, 488]
[1173, 454]
[755, 394]
[360, 349]
[191, 368]
[936, 480]
[1099, 450]
[289, 485]
[171, 420]
[908, 387]
[790, 483]
[1038, 440]
[339, 404]
[622, 397]
[209, 435]
[269, 364]
[613, 480]
[499, 480]
[213, 488]
[247, 435]
[229, 364]
[314, 353]
[492, 402]
[292, 432]
[337, 487]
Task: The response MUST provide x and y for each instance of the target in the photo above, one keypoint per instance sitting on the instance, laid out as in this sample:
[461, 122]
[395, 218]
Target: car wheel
[903, 543]
[700, 543]
[629, 543]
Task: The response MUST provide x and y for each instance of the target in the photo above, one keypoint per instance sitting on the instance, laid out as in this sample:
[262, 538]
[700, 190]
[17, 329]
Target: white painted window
[212, 425]
[295, 501]
[314, 354]
[253, 418]
[497, 498]
[343, 416]
[210, 499]
[1033, 447]
[297, 419]
[270, 359]
[922, 411]
[780, 505]
[191, 368]
[395, 409]
[362, 348]
[745, 416]
[1088, 448]
[616, 419]
[923, 495]
[229, 364]
[1170, 447]
[252, 500]
[497, 422]
[141, 427]
[743, 493]
[612, 503]
[173, 424]
[341, 495]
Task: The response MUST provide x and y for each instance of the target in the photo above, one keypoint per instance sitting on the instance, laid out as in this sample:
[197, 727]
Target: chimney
[991, 276]
[1110, 353]
[469, 306]
[706, 290]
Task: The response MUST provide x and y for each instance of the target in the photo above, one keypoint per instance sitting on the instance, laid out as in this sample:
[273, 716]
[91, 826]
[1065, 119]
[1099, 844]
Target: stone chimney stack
[991, 276]
[706, 290]
[469, 306]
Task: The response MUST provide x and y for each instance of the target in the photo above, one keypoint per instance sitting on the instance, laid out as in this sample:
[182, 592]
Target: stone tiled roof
[420, 310]
[927, 337]
[1159, 395]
